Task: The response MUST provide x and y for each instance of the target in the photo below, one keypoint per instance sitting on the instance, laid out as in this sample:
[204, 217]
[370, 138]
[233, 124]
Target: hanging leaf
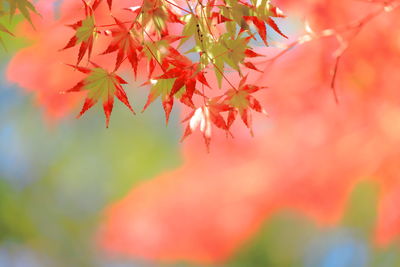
[101, 85]
[85, 31]
[242, 101]
[127, 43]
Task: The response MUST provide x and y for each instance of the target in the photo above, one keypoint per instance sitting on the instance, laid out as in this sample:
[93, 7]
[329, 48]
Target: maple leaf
[226, 51]
[156, 14]
[101, 85]
[259, 12]
[84, 35]
[206, 116]
[179, 81]
[157, 51]
[127, 43]
[262, 29]
[24, 6]
[175, 82]
[161, 88]
[190, 27]
[242, 102]
[184, 76]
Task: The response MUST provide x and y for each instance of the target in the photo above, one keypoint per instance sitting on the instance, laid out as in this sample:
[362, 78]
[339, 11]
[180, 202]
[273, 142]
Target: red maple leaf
[242, 102]
[126, 43]
[181, 77]
[85, 31]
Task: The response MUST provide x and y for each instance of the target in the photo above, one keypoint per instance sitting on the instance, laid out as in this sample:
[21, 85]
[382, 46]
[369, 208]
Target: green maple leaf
[239, 100]
[259, 12]
[85, 32]
[227, 51]
[24, 6]
[235, 11]
[162, 88]
[263, 9]
[8, 40]
[189, 29]
[157, 13]
[156, 49]
[242, 101]
[101, 85]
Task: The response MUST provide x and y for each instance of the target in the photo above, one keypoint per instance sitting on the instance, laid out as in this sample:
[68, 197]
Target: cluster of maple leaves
[215, 36]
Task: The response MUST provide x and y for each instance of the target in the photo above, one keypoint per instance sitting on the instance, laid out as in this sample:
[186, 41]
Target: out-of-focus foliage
[308, 157]
[8, 9]
[288, 239]
[55, 181]
[11, 7]
[9, 42]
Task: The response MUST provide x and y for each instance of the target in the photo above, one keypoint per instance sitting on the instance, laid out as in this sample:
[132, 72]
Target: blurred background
[56, 180]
